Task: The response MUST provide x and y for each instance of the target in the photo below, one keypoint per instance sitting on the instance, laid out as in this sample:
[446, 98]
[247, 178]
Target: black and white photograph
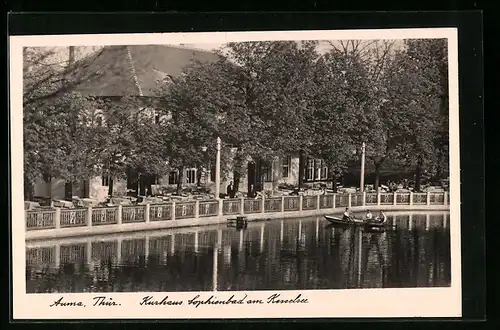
[244, 171]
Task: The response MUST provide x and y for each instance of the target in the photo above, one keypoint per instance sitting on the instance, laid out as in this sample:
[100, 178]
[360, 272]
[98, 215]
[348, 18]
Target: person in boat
[382, 217]
[347, 215]
[369, 216]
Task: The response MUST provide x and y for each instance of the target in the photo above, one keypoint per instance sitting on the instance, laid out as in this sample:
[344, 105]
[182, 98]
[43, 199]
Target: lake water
[289, 254]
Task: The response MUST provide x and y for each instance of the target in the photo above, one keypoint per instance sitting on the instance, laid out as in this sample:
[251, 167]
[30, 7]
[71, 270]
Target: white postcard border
[414, 302]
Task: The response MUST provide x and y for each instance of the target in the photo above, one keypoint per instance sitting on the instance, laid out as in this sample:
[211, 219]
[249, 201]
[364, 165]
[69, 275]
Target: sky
[61, 53]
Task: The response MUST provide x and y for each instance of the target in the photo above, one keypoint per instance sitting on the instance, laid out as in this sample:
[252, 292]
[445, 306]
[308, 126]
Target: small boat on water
[356, 222]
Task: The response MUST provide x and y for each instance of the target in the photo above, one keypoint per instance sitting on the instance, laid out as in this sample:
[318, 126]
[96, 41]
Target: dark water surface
[284, 254]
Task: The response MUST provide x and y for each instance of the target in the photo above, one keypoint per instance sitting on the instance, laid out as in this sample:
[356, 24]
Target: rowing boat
[355, 222]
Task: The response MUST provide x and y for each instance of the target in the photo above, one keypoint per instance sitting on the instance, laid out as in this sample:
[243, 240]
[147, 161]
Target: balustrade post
[242, 205]
[172, 211]
[119, 213]
[349, 201]
[411, 197]
[395, 199]
[318, 202]
[147, 213]
[220, 211]
[445, 196]
[197, 209]
[57, 219]
[263, 206]
[378, 198]
[89, 216]
[364, 198]
[334, 200]
[428, 198]
[282, 204]
[301, 199]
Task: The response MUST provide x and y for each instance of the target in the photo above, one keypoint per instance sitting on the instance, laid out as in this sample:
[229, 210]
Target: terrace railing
[128, 214]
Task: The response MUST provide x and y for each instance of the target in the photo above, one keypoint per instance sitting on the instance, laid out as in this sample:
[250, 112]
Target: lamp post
[362, 179]
[217, 169]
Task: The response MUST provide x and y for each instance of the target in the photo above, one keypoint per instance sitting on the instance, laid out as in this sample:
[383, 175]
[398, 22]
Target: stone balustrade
[256, 208]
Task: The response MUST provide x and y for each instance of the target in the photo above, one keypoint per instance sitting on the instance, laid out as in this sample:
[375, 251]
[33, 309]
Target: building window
[267, 172]
[105, 180]
[324, 171]
[191, 176]
[172, 177]
[310, 170]
[286, 166]
[317, 170]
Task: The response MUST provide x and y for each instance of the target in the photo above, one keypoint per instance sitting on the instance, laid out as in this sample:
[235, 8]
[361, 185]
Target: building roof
[136, 70]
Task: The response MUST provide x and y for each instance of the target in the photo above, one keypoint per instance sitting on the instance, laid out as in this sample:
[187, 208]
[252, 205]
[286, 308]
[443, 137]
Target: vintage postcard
[290, 174]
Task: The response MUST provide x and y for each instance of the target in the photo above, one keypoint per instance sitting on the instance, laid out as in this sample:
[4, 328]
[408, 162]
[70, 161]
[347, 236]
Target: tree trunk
[377, 176]
[110, 190]
[180, 177]
[301, 168]
[68, 191]
[236, 181]
[334, 183]
[418, 175]
[29, 190]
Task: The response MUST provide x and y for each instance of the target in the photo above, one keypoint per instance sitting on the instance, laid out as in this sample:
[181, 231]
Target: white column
[349, 201]
[334, 200]
[196, 241]
[281, 231]
[318, 202]
[242, 206]
[217, 169]
[57, 255]
[88, 251]
[220, 212]
[362, 178]
[263, 206]
[360, 256]
[378, 198]
[445, 196]
[282, 204]
[147, 213]
[395, 199]
[428, 198]
[215, 267]
[172, 244]
[411, 197]
[317, 230]
[364, 198]
[301, 198]
[219, 237]
[119, 250]
[146, 248]
[89, 217]
[240, 247]
[57, 219]
[119, 215]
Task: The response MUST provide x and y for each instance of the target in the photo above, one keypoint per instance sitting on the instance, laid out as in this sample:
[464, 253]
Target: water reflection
[280, 255]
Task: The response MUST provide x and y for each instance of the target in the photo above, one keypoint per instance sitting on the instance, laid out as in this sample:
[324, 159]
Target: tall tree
[421, 84]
